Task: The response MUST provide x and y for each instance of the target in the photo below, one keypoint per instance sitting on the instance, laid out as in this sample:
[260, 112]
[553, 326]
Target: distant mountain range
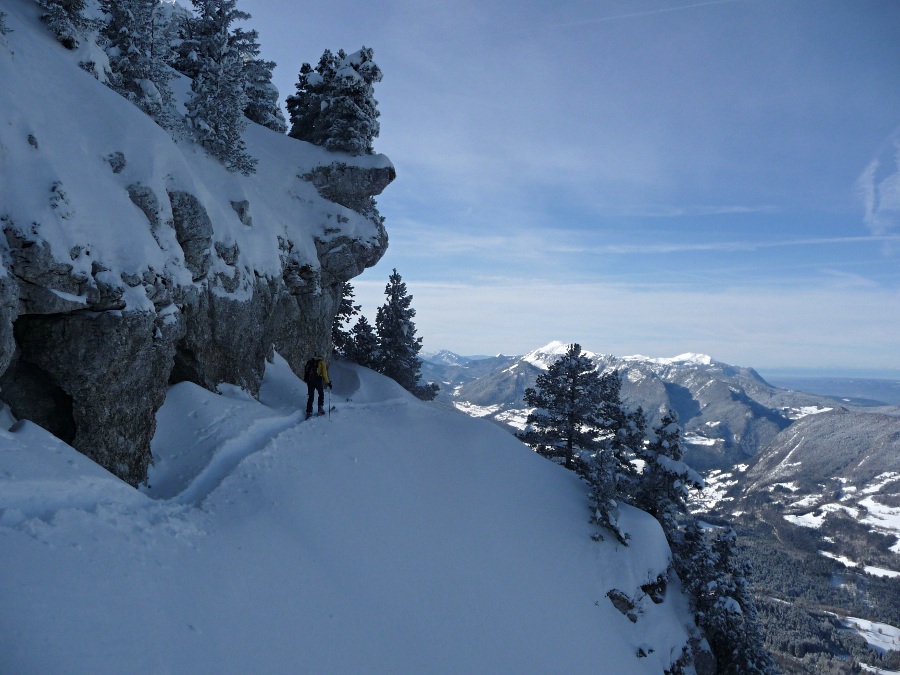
[728, 412]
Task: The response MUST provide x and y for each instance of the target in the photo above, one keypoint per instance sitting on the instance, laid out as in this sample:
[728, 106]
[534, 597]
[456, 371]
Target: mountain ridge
[727, 411]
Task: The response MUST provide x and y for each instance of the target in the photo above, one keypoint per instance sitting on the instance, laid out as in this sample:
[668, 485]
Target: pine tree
[262, 96]
[340, 336]
[65, 19]
[398, 346]
[362, 346]
[566, 399]
[579, 416]
[216, 109]
[335, 106]
[715, 577]
[137, 37]
[666, 480]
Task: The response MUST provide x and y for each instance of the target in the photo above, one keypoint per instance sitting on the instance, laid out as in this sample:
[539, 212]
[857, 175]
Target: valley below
[810, 481]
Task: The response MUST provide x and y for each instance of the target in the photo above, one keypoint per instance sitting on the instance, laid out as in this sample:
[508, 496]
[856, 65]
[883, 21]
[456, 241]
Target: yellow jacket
[322, 371]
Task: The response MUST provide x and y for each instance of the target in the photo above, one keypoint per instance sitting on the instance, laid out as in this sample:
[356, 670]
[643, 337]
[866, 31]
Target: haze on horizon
[641, 176]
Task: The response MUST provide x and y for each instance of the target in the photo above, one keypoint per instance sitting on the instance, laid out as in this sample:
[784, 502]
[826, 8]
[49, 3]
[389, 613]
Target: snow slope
[57, 184]
[392, 537]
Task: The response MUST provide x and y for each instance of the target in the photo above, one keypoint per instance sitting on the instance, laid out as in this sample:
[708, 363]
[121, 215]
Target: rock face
[81, 364]
[130, 260]
[351, 186]
[105, 374]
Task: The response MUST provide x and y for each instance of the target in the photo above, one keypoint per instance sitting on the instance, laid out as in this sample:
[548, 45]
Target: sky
[644, 177]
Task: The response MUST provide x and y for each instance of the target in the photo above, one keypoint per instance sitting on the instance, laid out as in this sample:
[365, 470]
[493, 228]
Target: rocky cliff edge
[132, 261]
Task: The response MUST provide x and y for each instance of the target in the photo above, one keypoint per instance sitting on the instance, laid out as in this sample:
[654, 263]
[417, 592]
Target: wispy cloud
[879, 189]
[635, 15]
[527, 243]
[686, 247]
[671, 211]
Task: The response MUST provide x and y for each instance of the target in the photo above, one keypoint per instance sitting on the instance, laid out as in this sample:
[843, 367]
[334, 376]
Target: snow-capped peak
[688, 358]
[445, 357]
[544, 356]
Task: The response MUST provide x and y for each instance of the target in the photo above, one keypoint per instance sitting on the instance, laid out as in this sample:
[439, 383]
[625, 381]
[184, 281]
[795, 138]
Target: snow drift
[392, 537]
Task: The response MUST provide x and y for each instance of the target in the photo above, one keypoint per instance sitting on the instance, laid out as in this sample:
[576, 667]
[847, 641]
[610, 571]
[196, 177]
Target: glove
[330, 386]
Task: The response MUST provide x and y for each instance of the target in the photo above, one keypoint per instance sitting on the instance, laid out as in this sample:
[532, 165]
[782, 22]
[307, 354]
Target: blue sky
[641, 176]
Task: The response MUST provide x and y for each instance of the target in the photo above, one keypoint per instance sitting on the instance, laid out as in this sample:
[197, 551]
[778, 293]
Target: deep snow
[392, 537]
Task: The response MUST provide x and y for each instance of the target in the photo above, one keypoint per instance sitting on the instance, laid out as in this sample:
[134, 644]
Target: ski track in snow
[260, 435]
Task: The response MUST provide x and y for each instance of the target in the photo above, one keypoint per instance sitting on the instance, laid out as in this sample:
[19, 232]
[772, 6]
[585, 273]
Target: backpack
[310, 372]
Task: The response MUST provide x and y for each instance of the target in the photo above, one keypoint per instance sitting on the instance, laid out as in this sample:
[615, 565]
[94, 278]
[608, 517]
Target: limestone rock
[351, 186]
[226, 340]
[46, 285]
[105, 375]
[9, 310]
[194, 231]
[95, 378]
[242, 208]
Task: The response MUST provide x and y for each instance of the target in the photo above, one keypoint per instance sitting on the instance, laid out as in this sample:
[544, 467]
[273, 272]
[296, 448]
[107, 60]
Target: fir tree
[362, 345]
[65, 19]
[335, 106]
[398, 346]
[262, 96]
[715, 577]
[137, 37]
[567, 400]
[340, 336]
[216, 108]
[666, 480]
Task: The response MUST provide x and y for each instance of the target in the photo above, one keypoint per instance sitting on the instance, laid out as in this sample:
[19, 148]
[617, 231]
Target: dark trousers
[312, 388]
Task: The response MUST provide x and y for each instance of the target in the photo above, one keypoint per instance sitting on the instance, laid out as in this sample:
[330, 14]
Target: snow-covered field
[392, 537]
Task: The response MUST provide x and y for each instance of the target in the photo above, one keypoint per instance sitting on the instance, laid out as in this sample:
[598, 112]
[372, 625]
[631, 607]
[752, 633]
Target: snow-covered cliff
[131, 260]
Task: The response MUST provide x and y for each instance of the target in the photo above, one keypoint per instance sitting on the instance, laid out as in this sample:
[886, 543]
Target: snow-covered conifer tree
[340, 336]
[186, 46]
[398, 346]
[335, 105]
[567, 401]
[216, 108]
[715, 576]
[579, 416]
[665, 480]
[362, 345]
[137, 36]
[262, 95]
[65, 19]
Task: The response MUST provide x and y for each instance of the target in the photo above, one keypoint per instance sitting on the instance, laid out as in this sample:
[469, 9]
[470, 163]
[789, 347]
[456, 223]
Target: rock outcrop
[131, 261]
[79, 361]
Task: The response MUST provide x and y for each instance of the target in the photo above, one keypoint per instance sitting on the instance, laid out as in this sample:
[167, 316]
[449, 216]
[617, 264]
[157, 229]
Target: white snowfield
[393, 537]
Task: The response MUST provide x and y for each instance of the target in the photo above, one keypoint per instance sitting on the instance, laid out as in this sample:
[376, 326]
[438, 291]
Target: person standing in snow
[315, 374]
